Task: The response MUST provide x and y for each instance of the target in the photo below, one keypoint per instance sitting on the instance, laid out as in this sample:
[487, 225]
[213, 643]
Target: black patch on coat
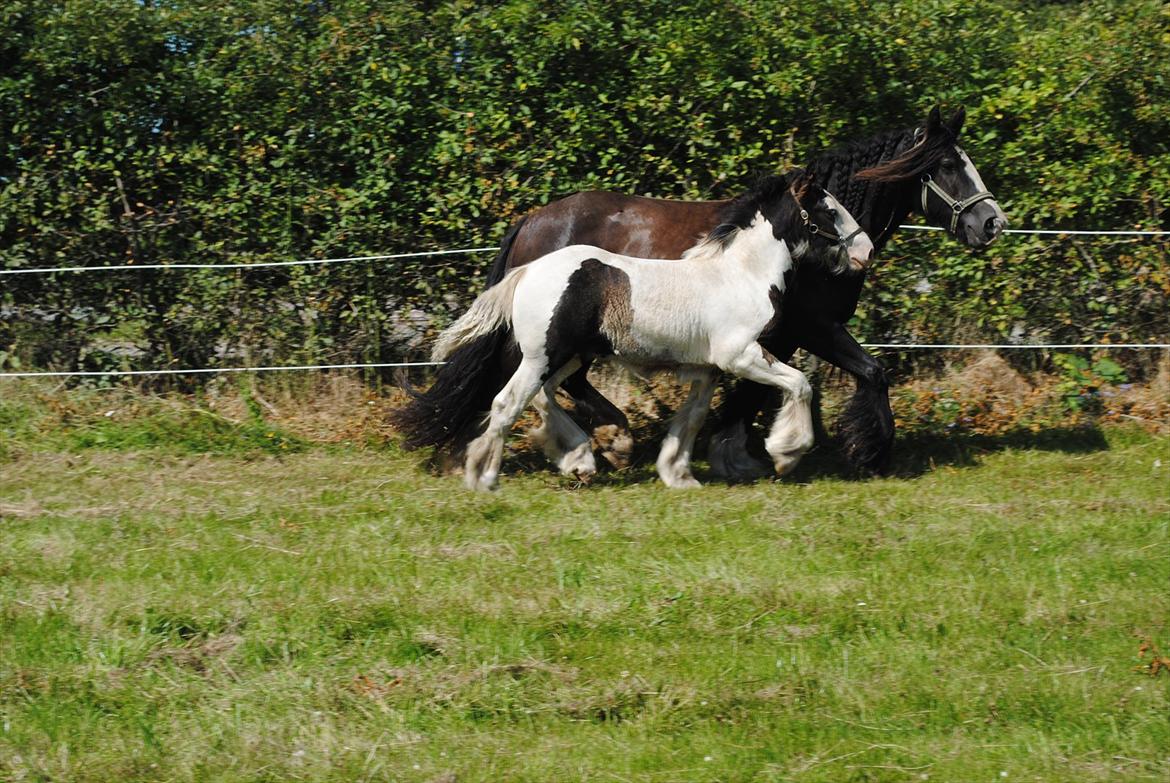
[772, 328]
[595, 303]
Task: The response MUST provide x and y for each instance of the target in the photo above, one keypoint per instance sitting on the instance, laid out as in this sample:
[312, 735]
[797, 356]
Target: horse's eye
[949, 164]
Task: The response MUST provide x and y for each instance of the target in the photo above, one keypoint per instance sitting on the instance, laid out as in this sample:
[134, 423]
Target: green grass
[340, 614]
[126, 422]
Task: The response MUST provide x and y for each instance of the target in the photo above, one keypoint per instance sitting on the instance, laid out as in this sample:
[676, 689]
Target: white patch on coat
[973, 173]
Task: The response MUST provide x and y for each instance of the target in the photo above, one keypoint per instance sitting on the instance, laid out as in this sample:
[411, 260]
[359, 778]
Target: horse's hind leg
[563, 442]
[674, 459]
[611, 428]
[481, 470]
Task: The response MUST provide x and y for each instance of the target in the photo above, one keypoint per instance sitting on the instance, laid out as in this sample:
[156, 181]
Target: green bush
[162, 131]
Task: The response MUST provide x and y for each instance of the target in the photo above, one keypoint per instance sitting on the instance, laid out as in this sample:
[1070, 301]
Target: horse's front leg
[727, 450]
[674, 458]
[867, 425]
[791, 434]
[481, 469]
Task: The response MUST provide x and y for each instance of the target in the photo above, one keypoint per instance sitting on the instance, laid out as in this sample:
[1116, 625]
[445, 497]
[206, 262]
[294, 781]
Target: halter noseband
[958, 206]
[816, 230]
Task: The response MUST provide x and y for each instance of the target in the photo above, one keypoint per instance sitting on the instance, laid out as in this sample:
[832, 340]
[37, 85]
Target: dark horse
[880, 180]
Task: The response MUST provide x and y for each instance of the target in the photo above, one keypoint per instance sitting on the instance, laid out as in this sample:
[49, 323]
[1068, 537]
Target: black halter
[832, 236]
[958, 206]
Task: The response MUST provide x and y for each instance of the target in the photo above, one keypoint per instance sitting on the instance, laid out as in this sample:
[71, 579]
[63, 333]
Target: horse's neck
[877, 207]
[757, 253]
[880, 209]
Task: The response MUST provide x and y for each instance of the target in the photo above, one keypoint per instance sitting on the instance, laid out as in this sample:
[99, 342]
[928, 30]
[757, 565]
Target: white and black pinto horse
[700, 316]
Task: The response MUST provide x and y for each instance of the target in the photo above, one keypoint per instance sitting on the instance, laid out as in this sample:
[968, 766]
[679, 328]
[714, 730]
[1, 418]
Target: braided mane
[869, 176]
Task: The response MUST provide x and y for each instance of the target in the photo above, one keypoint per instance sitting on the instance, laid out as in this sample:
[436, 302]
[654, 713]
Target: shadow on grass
[918, 453]
[915, 454]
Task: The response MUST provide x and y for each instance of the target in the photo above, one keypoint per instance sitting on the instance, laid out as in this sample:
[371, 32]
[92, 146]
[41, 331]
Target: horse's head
[953, 194]
[820, 228]
[950, 192]
[803, 216]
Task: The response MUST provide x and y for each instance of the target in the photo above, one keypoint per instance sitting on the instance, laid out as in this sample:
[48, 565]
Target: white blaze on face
[970, 170]
[973, 174]
[860, 247]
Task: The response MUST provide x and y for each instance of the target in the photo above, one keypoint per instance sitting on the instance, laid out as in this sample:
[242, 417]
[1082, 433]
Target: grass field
[185, 598]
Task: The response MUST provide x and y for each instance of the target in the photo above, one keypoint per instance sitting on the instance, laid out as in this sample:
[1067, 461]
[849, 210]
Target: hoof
[578, 462]
[583, 472]
[729, 459]
[485, 483]
[584, 476]
[786, 462]
[685, 481]
[481, 471]
[676, 473]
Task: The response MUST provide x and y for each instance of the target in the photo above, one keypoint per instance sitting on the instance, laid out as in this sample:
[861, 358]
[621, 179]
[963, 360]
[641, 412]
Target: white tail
[491, 310]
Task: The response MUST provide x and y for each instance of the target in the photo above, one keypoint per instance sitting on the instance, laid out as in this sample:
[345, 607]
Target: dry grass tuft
[1149, 404]
[201, 654]
[29, 508]
[993, 378]
[990, 397]
[326, 408]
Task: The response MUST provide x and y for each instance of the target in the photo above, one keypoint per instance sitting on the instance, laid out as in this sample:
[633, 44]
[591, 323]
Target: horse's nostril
[992, 226]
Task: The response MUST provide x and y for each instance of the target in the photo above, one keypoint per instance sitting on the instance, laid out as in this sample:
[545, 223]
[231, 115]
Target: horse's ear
[801, 184]
[956, 122]
[933, 120]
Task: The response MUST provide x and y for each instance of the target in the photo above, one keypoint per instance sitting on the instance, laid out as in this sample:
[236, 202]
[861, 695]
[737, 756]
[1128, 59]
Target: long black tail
[500, 264]
[450, 413]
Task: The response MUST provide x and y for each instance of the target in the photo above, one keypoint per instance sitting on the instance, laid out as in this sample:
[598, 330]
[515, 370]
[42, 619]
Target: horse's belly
[658, 343]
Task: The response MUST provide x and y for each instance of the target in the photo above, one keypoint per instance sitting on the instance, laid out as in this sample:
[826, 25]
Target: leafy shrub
[1082, 380]
[188, 131]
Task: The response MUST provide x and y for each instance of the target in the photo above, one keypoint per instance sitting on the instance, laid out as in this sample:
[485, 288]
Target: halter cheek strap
[832, 236]
[958, 206]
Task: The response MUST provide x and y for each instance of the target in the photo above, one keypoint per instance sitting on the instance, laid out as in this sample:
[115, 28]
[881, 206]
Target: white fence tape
[1013, 346]
[1060, 232]
[203, 370]
[898, 346]
[243, 267]
[463, 251]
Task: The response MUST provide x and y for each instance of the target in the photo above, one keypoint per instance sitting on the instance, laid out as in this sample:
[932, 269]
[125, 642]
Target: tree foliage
[161, 131]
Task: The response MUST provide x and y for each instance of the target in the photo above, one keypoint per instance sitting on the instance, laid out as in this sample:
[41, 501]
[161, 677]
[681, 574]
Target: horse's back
[600, 302]
[630, 225]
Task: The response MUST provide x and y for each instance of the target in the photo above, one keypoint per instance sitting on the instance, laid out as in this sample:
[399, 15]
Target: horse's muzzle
[860, 253]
